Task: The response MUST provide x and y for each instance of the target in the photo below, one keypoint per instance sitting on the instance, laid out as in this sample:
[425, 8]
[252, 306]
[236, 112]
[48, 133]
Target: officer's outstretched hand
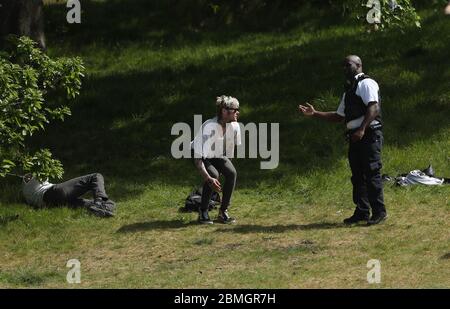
[307, 110]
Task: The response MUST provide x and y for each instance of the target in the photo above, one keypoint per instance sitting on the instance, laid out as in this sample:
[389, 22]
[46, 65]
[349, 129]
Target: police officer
[360, 108]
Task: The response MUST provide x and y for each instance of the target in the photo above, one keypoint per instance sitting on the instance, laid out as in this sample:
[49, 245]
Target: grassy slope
[145, 75]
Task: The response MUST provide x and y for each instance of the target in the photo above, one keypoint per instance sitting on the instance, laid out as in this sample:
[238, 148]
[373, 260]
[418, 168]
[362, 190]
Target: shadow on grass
[6, 219]
[245, 229]
[155, 225]
[446, 256]
[27, 277]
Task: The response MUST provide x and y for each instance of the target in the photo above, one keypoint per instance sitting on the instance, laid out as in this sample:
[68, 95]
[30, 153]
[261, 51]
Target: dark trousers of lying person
[70, 192]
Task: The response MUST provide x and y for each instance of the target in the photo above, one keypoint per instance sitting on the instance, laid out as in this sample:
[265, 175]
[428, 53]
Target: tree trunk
[23, 18]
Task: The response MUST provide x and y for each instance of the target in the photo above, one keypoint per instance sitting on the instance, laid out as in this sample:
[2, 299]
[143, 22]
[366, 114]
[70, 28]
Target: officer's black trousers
[364, 157]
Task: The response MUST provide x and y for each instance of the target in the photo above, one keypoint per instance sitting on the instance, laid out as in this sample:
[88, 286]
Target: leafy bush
[31, 88]
[398, 14]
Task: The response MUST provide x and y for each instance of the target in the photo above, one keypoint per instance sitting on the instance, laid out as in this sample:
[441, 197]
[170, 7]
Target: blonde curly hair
[225, 101]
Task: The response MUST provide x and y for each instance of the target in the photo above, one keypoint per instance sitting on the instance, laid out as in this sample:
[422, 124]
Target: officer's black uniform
[365, 156]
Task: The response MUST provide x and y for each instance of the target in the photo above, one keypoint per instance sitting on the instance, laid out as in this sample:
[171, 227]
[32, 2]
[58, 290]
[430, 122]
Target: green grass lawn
[145, 74]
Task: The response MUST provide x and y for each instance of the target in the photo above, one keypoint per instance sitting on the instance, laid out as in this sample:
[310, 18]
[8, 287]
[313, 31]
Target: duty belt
[373, 128]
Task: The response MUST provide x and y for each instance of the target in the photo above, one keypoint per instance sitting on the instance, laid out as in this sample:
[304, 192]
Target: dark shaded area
[154, 225]
[6, 219]
[249, 228]
[242, 229]
[22, 18]
[174, 22]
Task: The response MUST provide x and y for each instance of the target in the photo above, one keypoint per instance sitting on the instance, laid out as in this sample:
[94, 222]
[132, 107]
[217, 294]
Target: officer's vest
[354, 105]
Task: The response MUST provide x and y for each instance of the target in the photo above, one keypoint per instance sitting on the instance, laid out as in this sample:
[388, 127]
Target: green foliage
[28, 79]
[398, 14]
[42, 165]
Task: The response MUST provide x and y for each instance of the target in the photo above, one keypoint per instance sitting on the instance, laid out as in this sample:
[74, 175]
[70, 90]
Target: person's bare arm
[311, 112]
[212, 182]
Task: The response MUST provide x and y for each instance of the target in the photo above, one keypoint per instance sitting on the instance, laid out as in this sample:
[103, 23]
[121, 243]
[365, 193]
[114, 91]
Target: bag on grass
[194, 200]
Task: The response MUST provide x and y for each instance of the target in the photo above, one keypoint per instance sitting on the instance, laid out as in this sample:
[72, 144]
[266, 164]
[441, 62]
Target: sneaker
[103, 208]
[377, 218]
[203, 217]
[356, 218]
[223, 217]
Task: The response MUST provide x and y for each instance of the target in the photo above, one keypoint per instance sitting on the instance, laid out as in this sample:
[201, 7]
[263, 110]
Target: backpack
[194, 200]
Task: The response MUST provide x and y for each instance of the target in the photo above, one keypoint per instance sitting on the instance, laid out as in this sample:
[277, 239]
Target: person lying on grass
[211, 150]
[44, 194]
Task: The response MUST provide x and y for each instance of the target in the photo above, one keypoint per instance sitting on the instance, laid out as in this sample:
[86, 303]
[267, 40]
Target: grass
[144, 75]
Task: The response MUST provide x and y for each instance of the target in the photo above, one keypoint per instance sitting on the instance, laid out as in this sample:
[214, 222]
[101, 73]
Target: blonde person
[212, 148]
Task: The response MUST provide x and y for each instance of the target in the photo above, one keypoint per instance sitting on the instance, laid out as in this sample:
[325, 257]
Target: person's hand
[214, 184]
[358, 135]
[307, 110]
[447, 9]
